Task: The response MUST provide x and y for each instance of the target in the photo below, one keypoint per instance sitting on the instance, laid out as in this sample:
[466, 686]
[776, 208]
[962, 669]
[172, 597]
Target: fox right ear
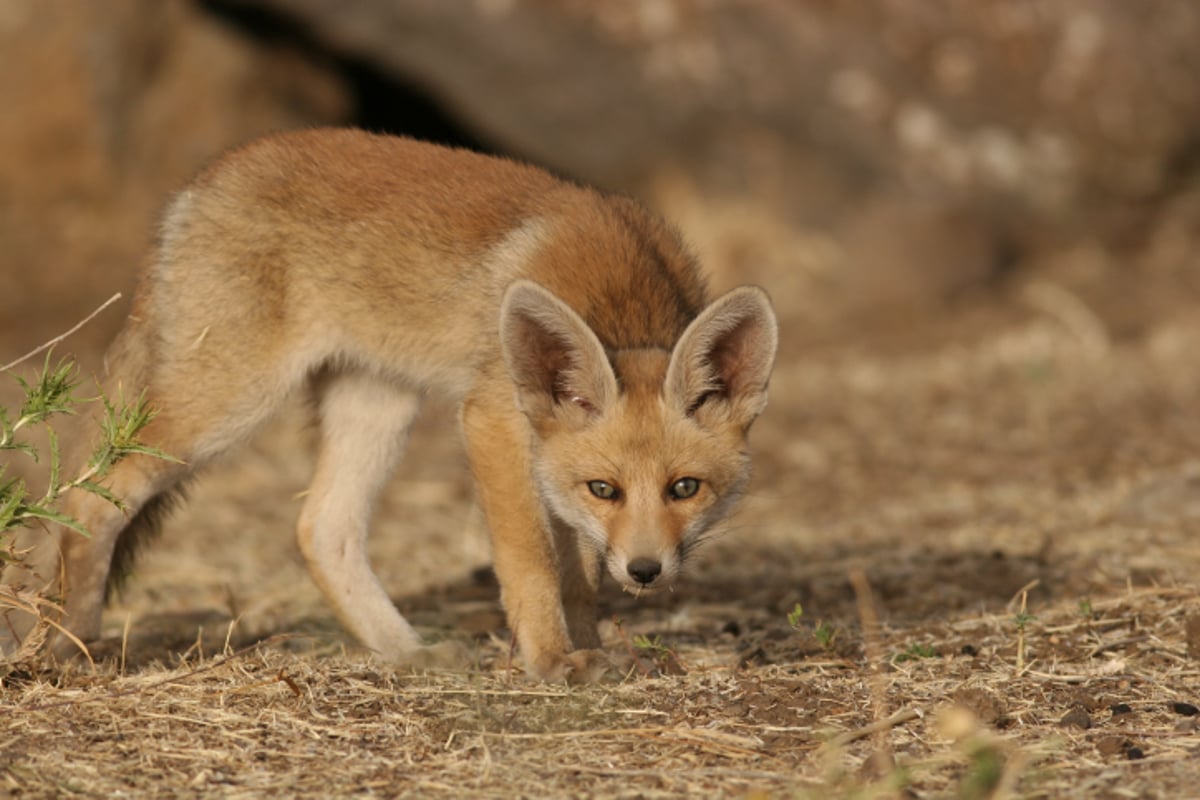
[553, 357]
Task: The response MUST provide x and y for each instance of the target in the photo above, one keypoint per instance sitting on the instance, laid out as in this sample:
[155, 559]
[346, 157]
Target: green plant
[824, 632]
[1085, 609]
[653, 656]
[645, 644]
[1022, 619]
[915, 652]
[50, 394]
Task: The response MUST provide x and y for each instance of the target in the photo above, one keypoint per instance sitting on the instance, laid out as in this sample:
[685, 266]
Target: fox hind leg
[139, 481]
[364, 423]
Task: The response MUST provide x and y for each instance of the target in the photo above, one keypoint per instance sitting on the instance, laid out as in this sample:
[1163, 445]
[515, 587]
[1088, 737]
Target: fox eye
[603, 489]
[684, 488]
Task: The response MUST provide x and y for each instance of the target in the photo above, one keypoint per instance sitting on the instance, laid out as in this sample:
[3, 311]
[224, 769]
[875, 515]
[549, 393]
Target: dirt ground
[966, 567]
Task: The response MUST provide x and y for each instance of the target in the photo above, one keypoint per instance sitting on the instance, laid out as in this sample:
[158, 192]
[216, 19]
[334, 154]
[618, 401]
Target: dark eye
[603, 490]
[684, 488]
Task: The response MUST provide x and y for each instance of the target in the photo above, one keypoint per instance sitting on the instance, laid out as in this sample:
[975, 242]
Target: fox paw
[574, 668]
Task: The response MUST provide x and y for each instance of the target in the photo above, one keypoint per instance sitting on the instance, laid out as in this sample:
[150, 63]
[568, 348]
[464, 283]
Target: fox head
[639, 450]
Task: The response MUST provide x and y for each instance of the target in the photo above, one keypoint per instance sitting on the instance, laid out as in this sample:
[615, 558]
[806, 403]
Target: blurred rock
[108, 107]
[1049, 103]
[1068, 117]
[848, 156]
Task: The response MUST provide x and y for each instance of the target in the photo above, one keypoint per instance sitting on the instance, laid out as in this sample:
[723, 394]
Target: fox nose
[644, 570]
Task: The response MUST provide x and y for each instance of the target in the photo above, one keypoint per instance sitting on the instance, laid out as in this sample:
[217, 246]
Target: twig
[1139, 733]
[1022, 594]
[14, 599]
[1118, 673]
[1022, 621]
[125, 642]
[885, 760]
[1116, 643]
[62, 336]
[291, 684]
[878, 726]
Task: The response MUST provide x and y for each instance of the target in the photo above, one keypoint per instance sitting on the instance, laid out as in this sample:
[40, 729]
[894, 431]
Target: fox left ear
[722, 363]
[554, 358]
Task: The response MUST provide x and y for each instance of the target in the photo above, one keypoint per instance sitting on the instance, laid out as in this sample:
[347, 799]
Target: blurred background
[869, 161]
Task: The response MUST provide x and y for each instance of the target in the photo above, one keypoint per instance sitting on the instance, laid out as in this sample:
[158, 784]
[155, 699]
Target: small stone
[1076, 718]
[983, 704]
[1084, 700]
[1113, 745]
[877, 765]
[1118, 709]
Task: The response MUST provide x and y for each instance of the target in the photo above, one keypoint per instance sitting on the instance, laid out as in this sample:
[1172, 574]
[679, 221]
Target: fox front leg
[526, 562]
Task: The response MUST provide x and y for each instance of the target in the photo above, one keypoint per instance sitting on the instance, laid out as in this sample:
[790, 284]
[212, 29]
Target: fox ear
[722, 363]
[554, 358]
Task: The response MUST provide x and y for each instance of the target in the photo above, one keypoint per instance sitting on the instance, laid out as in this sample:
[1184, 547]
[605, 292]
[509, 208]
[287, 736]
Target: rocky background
[865, 160]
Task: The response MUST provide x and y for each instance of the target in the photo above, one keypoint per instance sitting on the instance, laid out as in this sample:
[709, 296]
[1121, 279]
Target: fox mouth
[646, 589]
[643, 576]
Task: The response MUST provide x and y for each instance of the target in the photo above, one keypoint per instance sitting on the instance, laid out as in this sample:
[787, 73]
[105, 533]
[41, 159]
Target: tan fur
[572, 327]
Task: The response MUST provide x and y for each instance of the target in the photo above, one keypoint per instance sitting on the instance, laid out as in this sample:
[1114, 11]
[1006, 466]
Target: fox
[604, 400]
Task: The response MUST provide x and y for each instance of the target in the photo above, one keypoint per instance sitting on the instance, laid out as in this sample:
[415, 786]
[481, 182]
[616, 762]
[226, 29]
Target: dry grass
[990, 511]
[264, 719]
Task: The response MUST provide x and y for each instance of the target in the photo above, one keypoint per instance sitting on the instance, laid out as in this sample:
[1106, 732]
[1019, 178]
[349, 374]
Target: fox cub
[605, 401]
